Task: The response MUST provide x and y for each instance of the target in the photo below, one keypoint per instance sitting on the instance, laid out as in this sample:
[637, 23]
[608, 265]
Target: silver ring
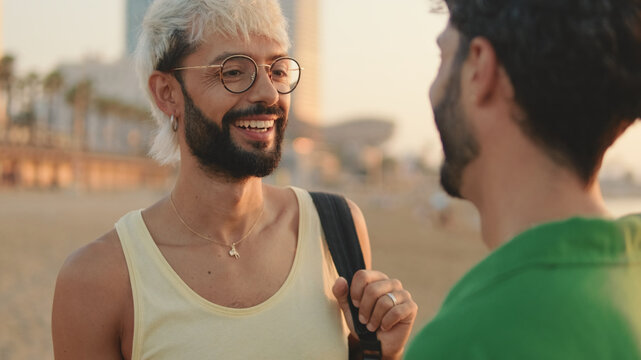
[391, 296]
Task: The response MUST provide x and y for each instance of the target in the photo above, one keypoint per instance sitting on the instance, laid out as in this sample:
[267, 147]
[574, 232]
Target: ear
[483, 75]
[166, 92]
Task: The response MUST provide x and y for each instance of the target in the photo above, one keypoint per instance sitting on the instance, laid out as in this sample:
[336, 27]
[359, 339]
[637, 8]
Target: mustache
[257, 109]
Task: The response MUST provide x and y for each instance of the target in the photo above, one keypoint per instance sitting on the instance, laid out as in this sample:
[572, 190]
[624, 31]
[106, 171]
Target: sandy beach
[38, 230]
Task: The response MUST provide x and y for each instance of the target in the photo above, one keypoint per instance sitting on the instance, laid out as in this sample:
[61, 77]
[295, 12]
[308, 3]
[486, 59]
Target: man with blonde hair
[225, 267]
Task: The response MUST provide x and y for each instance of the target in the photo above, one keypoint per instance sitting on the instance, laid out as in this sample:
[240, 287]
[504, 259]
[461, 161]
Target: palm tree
[29, 85]
[52, 85]
[79, 97]
[6, 84]
[121, 116]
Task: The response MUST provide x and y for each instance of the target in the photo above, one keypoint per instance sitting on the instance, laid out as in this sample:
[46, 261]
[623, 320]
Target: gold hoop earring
[174, 123]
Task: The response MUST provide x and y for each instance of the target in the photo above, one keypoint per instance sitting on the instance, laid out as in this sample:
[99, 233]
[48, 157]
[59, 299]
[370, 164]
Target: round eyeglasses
[238, 73]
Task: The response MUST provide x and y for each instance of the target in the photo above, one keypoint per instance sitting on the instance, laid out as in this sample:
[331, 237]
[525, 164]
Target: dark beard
[459, 144]
[215, 150]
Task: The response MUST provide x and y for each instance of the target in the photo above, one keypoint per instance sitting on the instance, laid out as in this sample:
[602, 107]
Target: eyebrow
[218, 59]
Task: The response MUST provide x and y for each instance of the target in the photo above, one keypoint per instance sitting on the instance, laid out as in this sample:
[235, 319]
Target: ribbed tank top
[301, 320]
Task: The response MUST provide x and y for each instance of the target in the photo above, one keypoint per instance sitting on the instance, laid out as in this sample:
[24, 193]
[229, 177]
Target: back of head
[575, 66]
[173, 29]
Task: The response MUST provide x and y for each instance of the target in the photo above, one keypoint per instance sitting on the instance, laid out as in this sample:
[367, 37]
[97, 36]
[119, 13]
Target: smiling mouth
[255, 125]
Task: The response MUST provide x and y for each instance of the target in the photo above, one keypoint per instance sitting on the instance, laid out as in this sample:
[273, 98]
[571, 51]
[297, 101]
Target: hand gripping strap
[342, 241]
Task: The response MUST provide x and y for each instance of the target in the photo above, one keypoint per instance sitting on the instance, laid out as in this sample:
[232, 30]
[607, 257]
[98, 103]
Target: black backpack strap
[342, 241]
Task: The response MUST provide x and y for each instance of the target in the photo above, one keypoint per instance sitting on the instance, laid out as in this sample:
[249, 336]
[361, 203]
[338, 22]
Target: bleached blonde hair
[173, 29]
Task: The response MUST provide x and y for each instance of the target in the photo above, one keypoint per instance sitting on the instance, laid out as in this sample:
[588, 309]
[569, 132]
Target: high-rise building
[1, 34]
[303, 17]
[3, 95]
[135, 12]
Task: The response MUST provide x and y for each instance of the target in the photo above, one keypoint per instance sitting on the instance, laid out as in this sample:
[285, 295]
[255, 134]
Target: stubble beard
[460, 146]
[215, 150]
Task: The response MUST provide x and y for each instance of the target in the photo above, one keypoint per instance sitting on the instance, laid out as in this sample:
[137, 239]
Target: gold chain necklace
[232, 251]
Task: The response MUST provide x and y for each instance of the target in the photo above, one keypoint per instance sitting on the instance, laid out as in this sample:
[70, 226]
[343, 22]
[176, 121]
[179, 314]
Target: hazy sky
[43, 33]
[359, 40]
[385, 48]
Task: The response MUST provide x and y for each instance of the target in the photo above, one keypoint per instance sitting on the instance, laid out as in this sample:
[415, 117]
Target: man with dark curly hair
[529, 96]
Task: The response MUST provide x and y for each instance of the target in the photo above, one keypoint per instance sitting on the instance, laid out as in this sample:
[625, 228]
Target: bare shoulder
[357, 214]
[284, 195]
[361, 230]
[283, 199]
[92, 292]
[99, 264]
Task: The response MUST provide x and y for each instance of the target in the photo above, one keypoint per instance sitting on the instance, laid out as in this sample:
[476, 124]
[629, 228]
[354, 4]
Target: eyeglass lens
[238, 74]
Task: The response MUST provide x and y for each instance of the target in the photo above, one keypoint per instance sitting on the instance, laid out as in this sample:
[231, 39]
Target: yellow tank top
[301, 320]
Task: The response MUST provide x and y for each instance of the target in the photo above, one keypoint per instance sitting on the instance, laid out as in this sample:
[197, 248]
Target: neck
[514, 198]
[216, 207]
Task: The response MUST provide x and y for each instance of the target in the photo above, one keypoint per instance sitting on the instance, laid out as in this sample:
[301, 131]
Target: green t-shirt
[562, 290]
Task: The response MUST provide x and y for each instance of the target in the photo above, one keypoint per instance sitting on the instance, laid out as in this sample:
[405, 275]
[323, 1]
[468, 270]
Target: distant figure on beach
[441, 206]
[528, 97]
[224, 267]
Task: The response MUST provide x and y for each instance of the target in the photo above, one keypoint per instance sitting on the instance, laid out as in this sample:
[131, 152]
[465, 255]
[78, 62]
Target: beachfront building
[91, 132]
[94, 129]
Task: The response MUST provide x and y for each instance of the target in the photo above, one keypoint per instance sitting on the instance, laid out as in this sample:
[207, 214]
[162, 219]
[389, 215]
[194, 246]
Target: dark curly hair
[575, 66]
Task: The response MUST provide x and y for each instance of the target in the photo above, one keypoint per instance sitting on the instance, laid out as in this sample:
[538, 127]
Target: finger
[404, 313]
[340, 291]
[360, 281]
[373, 291]
[383, 305]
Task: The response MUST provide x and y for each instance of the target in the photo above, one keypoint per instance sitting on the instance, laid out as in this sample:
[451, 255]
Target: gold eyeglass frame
[256, 66]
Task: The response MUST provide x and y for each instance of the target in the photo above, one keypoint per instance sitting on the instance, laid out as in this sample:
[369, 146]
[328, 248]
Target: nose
[263, 89]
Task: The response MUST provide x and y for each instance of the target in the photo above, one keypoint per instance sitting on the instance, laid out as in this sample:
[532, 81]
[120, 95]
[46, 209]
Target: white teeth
[255, 124]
